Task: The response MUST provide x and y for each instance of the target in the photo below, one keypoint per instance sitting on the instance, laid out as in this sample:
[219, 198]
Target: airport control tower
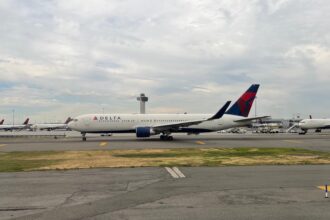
[143, 99]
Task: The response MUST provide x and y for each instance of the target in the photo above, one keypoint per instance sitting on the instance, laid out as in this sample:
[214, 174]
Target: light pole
[13, 119]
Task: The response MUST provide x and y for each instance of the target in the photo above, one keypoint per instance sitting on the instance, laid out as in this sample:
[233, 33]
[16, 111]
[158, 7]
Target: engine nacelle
[142, 132]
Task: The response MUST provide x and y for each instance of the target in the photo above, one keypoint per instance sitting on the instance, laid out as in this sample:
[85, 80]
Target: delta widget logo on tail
[244, 103]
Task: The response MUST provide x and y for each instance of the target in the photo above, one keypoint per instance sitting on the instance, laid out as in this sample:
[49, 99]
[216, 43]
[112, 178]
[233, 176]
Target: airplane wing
[176, 126]
[251, 119]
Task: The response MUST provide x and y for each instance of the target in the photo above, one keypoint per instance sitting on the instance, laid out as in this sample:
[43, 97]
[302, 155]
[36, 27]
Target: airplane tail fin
[1, 122]
[68, 120]
[26, 121]
[243, 105]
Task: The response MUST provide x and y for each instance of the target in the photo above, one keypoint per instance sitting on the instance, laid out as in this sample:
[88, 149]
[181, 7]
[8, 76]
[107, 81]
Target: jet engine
[142, 132]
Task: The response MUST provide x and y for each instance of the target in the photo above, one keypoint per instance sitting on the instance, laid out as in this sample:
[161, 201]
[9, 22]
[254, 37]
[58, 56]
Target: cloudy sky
[65, 58]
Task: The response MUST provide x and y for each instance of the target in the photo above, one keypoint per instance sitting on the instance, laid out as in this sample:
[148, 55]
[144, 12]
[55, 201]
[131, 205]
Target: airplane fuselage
[314, 124]
[49, 126]
[12, 127]
[127, 123]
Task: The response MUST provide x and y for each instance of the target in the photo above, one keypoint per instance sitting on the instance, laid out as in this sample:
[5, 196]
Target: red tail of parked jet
[243, 105]
[26, 121]
[68, 120]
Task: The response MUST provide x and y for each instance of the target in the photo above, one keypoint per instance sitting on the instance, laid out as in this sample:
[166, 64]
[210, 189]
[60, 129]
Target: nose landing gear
[83, 136]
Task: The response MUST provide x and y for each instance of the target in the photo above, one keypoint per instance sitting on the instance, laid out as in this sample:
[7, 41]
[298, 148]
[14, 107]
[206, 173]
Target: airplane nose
[71, 125]
[301, 125]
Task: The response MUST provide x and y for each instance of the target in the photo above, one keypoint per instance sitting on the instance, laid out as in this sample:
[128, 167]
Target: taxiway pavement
[255, 192]
[309, 141]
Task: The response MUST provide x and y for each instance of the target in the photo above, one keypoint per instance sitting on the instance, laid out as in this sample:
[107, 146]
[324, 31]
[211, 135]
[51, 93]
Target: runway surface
[253, 192]
[309, 141]
[263, 192]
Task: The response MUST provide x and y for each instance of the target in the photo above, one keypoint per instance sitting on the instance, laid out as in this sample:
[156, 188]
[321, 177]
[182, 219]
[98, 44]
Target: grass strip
[48, 160]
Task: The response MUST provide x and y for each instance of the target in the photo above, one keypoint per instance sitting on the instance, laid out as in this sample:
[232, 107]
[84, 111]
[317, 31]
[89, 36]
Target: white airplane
[311, 123]
[146, 125]
[51, 126]
[25, 125]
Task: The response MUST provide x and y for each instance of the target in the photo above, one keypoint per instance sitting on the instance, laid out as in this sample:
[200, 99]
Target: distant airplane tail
[243, 105]
[26, 121]
[68, 120]
[1, 122]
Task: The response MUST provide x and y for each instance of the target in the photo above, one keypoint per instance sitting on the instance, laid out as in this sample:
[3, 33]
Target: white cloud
[186, 55]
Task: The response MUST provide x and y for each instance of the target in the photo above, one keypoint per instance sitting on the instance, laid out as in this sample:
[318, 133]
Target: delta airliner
[146, 125]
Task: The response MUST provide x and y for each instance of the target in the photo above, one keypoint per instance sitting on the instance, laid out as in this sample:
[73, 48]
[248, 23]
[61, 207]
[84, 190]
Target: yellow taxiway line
[103, 144]
[323, 187]
[200, 142]
[3, 145]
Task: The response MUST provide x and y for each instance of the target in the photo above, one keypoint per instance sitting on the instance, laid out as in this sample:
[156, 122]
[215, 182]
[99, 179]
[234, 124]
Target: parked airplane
[146, 125]
[25, 125]
[1, 122]
[51, 126]
[311, 123]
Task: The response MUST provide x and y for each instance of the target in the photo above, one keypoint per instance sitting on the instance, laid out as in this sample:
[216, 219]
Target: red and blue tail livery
[243, 105]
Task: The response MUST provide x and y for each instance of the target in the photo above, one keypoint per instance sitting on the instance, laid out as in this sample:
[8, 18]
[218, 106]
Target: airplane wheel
[166, 138]
[84, 138]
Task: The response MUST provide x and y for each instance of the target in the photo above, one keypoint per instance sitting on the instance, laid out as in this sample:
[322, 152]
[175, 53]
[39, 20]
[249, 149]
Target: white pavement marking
[180, 174]
[173, 174]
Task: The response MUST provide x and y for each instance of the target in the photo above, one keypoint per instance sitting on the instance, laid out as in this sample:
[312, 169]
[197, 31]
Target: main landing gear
[303, 132]
[83, 136]
[165, 137]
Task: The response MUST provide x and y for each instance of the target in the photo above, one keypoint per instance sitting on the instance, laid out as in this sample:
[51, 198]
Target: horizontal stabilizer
[251, 119]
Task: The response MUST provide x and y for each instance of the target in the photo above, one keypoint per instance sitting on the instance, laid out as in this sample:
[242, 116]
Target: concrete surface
[264, 192]
[309, 141]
